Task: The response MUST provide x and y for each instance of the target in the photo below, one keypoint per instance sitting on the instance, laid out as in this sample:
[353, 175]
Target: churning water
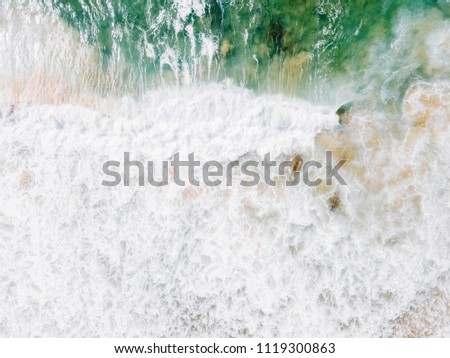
[83, 81]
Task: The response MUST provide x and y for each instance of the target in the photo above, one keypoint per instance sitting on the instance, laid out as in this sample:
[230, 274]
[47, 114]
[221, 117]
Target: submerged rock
[226, 47]
[344, 113]
[334, 202]
[297, 163]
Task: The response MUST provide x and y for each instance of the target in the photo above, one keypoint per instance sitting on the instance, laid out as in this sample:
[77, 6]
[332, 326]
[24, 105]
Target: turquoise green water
[280, 45]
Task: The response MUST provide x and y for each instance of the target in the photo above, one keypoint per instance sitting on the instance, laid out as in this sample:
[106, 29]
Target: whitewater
[78, 259]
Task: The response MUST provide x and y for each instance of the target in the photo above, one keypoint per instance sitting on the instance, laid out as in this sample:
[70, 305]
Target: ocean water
[83, 81]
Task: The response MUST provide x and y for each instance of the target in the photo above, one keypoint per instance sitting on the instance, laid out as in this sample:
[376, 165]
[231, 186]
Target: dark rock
[334, 202]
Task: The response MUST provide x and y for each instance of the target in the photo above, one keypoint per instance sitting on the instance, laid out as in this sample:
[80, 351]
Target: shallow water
[84, 81]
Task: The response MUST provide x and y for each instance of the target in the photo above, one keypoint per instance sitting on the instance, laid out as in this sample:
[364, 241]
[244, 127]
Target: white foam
[81, 259]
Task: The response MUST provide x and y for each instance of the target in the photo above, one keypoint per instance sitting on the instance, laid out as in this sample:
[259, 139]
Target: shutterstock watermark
[214, 173]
